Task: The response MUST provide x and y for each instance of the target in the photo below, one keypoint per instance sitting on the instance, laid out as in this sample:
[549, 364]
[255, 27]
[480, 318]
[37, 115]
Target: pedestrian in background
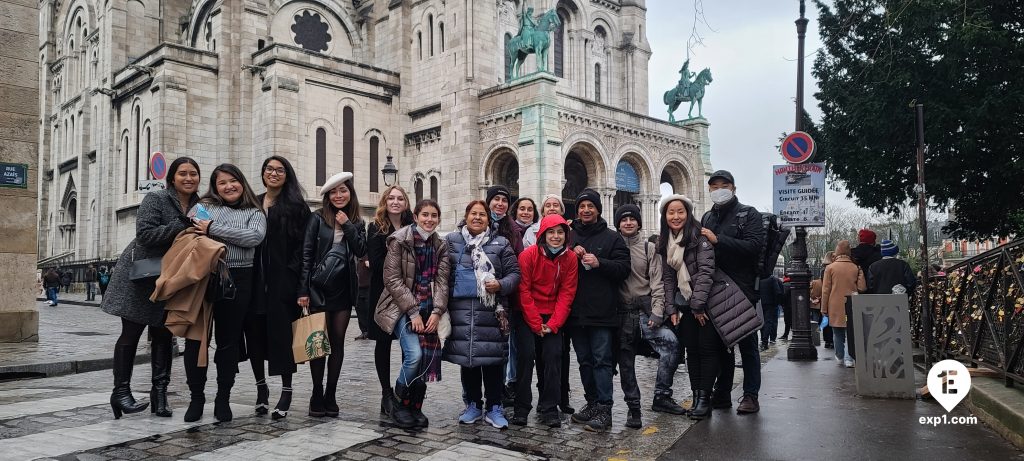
[160, 218]
[51, 283]
[268, 332]
[891, 275]
[786, 303]
[487, 272]
[335, 239]
[770, 290]
[236, 219]
[842, 279]
[393, 213]
[604, 260]
[65, 280]
[90, 283]
[104, 280]
[546, 292]
[416, 272]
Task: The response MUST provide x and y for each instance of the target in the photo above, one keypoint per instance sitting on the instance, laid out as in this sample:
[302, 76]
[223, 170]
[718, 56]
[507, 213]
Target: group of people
[55, 279]
[509, 292]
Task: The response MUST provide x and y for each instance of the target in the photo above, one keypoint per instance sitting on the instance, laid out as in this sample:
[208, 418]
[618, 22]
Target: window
[149, 152]
[627, 184]
[127, 161]
[440, 29]
[321, 156]
[430, 32]
[374, 164]
[138, 147]
[597, 82]
[433, 188]
[347, 146]
[560, 45]
[508, 62]
[419, 189]
[419, 44]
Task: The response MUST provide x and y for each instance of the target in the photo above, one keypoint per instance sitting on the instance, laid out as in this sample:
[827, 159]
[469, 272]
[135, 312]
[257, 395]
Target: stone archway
[582, 169]
[674, 174]
[503, 169]
[632, 177]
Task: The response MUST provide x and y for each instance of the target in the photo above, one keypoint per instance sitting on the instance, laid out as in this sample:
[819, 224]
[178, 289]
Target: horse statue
[530, 39]
[693, 92]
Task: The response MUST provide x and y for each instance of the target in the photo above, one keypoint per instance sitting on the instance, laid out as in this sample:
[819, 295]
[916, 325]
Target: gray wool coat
[476, 338]
[158, 222]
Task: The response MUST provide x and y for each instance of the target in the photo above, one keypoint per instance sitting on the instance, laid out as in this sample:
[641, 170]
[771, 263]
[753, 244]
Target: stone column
[19, 140]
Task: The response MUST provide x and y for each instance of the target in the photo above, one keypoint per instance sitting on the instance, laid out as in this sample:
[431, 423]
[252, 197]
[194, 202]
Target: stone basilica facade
[338, 85]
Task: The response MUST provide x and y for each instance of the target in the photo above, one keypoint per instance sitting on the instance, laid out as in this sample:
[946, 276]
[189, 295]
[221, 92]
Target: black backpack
[774, 240]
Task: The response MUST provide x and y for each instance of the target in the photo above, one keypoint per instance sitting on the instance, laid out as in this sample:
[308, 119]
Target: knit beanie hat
[592, 196]
[866, 236]
[495, 191]
[557, 198]
[889, 248]
[630, 210]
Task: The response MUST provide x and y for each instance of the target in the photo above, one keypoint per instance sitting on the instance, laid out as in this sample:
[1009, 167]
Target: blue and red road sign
[158, 165]
[798, 147]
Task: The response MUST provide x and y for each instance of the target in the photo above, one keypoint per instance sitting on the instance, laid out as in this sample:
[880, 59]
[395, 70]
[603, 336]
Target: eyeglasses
[271, 170]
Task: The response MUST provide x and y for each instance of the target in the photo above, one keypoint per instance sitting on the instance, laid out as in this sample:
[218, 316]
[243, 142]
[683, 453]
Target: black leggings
[705, 352]
[131, 333]
[382, 361]
[337, 325]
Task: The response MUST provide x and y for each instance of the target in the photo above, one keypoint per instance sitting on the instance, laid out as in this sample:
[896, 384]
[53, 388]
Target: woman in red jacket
[546, 292]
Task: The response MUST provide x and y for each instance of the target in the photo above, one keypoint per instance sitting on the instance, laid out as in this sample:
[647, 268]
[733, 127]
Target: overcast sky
[752, 55]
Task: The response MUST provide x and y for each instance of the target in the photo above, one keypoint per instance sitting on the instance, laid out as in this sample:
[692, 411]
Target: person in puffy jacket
[689, 264]
[604, 258]
[546, 293]
[485, 272]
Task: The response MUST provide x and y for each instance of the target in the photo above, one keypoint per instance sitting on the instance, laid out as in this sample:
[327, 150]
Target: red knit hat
[866, 236]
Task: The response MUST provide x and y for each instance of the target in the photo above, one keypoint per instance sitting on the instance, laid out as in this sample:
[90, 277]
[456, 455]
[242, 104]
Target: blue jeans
[51, 294]
[412, 353]
[594, 353]
[513, 356]
[665, 343]
[839, 342]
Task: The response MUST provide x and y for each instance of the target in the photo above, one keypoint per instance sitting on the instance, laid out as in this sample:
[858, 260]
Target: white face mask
[721, 196]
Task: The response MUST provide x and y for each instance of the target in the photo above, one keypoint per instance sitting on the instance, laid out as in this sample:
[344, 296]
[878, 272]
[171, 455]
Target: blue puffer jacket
[476, 339]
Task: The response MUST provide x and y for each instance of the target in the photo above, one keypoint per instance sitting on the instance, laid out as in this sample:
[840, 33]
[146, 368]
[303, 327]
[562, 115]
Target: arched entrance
[582, 169]
[504, 170]
[631, 175]
[675, 177]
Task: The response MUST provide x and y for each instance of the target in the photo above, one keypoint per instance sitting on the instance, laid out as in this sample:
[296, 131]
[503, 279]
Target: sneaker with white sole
[849, 363]
[496, 417]
[471, 415]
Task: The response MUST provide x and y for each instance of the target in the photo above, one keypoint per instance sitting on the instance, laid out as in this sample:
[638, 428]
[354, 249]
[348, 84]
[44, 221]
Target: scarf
[482, 266]
[426, 271]
[675, 260]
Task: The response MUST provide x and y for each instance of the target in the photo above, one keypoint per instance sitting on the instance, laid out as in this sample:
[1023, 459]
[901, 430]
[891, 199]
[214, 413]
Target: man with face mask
[737, 232]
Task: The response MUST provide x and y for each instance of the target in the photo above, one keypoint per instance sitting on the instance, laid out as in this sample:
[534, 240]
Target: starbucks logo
[317, 344]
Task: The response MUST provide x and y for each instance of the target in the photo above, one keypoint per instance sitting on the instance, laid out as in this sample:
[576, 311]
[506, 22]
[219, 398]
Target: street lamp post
[801, 347]
[390, 172]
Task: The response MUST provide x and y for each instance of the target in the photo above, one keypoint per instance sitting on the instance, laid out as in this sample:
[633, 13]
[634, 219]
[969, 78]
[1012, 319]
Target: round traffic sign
[158, 165]
[798, 147]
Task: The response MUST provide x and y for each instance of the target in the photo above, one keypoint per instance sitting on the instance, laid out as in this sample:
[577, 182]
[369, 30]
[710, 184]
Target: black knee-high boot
[121, 399]
[161, 365]
[196, 378]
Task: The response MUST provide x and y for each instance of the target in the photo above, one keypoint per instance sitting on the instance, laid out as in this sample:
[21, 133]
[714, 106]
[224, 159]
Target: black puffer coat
[732, 313]
[476, 339]
[741, 235]
[597, 295]
[699, 257]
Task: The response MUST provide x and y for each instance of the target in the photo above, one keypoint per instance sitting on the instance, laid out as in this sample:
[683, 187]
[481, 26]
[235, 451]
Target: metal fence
[978, 312]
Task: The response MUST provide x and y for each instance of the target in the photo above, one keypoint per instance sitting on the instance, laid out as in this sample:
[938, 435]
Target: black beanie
[495, 191]
[592, 196]
[630, 210]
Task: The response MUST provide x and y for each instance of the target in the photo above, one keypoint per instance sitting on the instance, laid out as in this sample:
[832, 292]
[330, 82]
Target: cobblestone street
[68, 418]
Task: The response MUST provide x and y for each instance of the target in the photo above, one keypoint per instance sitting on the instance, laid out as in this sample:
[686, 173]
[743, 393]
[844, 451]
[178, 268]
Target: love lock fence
[978, 312]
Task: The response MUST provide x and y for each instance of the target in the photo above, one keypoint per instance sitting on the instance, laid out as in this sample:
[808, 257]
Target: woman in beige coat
[842, 278]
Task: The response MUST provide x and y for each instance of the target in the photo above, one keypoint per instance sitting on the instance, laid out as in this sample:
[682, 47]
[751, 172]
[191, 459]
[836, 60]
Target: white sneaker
[849, 363]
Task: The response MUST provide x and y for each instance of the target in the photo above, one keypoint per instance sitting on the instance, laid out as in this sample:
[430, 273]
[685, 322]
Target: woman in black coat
[268, 330]
[160, 218]
[335, 239]
[392, 214]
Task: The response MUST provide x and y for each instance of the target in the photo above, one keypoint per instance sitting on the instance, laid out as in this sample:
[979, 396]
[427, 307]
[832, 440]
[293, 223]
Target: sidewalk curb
[51, 369]
[73, 302]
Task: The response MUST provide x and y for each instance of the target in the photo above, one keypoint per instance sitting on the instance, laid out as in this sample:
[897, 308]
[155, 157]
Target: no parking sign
[798, 147]
[158, 166]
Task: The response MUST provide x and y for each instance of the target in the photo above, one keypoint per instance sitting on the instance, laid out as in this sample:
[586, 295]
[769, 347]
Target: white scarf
[675, 260]
[482, 266]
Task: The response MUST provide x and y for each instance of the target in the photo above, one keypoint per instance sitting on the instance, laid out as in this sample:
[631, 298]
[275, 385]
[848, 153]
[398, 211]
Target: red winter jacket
[548, 285]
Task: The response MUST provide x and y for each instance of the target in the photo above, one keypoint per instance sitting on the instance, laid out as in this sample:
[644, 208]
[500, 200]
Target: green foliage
[963, 61]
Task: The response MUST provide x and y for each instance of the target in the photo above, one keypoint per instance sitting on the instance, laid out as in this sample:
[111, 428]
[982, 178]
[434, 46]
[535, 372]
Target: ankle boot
[222, 403]
[161, 365]
[419, 393]
[401, 411]
[701, 405]
[633, 417]
[195, 376]
[387, 397]
[121, 400]
[330, 402]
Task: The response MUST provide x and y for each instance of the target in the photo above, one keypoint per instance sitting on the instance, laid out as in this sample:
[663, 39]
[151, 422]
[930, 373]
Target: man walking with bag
[737, 233]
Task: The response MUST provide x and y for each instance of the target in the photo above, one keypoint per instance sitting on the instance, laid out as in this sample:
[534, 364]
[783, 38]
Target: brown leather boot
[748, 405]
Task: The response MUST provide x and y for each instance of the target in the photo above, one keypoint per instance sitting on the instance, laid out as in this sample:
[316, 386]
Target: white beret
[335, 181]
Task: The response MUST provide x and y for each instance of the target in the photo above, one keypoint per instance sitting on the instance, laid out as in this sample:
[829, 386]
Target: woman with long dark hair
[334, 241]
[229, 213]
[268, 332]
[160, 218]
[689, 263]
[392, 213]
[415, 298]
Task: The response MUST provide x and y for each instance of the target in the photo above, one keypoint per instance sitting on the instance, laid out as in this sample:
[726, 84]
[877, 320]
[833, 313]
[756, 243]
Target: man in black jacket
[594, 320]
[890, 274]
[737, 232]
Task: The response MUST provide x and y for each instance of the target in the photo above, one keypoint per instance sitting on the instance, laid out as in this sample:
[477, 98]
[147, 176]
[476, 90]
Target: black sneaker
[586, 414]
[518, 418]
[602, 420]
[665, 404]
[551, 419]
[633, 419]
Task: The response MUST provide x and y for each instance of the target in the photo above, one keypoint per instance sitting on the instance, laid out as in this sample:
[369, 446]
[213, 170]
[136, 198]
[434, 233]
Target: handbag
[465, 280]
[220, 285]
[144, 270]
[328, 269]
[309, 337]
